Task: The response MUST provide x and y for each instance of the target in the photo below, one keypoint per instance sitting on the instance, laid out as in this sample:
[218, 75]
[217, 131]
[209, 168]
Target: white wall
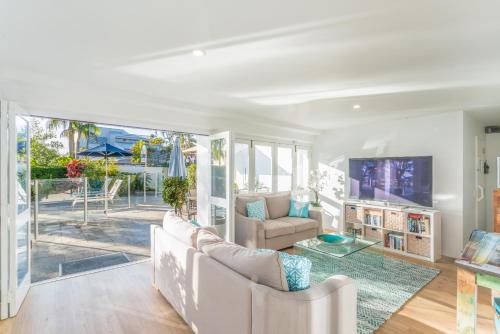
[472, 128]
[492, 152]
[437, 135]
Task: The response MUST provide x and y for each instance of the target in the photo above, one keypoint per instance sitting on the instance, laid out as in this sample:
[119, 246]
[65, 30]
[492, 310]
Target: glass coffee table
[337, 244]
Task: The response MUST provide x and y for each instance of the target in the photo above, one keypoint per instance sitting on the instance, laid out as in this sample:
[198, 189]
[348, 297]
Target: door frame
[12, 293]
[228, 202]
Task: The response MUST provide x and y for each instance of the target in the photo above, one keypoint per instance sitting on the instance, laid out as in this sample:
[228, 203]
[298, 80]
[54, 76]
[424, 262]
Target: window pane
[241, 167]
[218, 167]
[284, 168]
[218, 219]
[263, 168]
[302, 168]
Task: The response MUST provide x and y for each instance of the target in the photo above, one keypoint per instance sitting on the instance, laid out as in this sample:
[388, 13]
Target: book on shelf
[373, 220]
[418, 223]
[395, 241]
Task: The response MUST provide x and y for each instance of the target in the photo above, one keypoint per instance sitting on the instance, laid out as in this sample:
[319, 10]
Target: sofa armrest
[249, 232]
[326, 308]
[317, 214]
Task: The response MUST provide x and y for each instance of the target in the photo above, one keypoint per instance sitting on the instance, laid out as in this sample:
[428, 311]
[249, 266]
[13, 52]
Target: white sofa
[214, 299]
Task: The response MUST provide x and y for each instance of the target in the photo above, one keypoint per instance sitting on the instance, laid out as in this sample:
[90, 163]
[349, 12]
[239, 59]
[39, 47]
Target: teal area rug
[384, 284]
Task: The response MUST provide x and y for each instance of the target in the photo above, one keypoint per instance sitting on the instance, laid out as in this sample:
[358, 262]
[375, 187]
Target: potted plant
[316, 184]
[174, 192]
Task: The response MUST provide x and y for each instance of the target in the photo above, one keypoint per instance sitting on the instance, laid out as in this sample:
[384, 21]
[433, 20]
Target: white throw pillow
[262, 268]
[206, 237]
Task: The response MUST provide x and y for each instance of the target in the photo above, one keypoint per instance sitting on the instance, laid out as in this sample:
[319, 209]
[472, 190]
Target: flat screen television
[406, 180]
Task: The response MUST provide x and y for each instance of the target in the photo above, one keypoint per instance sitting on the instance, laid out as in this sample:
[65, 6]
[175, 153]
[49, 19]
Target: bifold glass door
[15, 248]
[221, 189]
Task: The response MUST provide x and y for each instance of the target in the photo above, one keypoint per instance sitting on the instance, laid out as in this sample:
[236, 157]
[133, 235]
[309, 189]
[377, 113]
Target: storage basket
[419, 245]
[354, 214]
[351, 213]
[373, 233]
[394, 220]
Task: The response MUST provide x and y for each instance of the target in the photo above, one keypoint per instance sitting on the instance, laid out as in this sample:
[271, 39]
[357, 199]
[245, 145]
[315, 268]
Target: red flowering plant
[75, 168]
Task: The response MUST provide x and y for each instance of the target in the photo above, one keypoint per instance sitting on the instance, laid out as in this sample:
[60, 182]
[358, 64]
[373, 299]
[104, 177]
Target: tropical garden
[55, 145]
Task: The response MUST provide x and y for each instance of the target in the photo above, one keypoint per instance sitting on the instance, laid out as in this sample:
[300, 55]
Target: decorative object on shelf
[409, 231]
[317, 183]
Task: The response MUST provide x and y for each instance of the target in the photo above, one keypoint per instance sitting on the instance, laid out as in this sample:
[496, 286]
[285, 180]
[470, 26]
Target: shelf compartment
[417, 223]
[373, 217]
[394, 240]
[418, 245]
[354, 213]
[373, 233]
[394, 220]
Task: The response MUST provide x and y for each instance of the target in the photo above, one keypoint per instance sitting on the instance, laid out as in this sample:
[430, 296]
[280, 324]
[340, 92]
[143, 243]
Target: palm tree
[86, 131]
[73, 130]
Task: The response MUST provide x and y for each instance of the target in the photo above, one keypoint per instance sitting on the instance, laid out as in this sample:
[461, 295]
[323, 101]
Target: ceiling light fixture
[199, 53]
[356, 106]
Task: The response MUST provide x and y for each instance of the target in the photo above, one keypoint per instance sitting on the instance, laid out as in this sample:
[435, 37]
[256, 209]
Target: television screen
[396, 180]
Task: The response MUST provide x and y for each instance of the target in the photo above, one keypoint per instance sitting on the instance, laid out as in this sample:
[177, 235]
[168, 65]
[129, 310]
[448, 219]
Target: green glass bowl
[334, 239]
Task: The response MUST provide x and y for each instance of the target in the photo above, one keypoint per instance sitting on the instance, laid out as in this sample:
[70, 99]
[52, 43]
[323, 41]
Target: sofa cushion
[297, 269]
[276, 228]
[182, 230]
[241, 204]
[185, 231]
[278, 205]
[257, 210]
[262, 268]
[205, 238]
[298, 209]
[300, 224]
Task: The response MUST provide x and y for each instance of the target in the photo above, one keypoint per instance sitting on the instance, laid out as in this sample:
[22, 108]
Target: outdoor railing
[76, 200]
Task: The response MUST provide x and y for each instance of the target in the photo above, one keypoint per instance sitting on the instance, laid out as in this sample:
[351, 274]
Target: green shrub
[174, 192]
[48, 172]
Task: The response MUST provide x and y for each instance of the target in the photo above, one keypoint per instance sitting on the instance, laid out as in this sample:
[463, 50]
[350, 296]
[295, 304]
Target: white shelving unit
[423, 241]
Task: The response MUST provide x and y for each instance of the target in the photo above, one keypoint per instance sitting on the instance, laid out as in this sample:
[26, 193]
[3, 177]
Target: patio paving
[64, 238]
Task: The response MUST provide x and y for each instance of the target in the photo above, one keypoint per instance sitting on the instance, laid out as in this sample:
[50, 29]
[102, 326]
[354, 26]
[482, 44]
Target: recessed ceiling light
[199, 53]
[356, 106]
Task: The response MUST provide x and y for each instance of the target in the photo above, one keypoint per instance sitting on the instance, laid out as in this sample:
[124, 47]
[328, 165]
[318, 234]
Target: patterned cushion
[298, 209]
[240, 204]
[257, 210]
[297, 269]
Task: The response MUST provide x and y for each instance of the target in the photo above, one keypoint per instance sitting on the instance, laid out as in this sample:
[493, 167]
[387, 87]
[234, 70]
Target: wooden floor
[123, 301]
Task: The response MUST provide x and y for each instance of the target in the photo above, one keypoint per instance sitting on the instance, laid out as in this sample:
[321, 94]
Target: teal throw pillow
[297, 270]
[195, 223]
[257, 210]
[298, 209]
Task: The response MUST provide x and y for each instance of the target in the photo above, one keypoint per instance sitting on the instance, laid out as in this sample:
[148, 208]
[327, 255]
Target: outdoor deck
[65, 245]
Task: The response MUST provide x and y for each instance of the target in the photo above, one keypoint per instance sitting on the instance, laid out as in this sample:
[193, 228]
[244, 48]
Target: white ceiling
[295, 63]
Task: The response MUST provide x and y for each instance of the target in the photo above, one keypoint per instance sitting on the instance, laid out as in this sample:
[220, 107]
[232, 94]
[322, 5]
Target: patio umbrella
[177, 165]
[106, 151]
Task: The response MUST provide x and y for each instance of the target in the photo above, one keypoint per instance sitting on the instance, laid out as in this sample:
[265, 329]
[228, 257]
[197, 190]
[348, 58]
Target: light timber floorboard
[123, 301]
